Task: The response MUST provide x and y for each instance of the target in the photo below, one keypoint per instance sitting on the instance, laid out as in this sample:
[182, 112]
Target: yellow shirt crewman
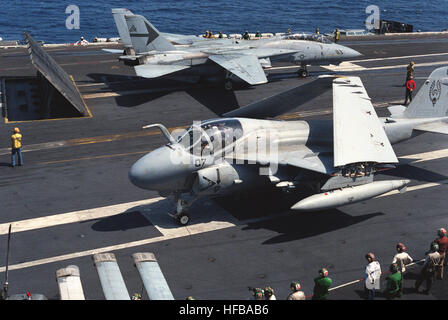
[16, 148]
[337, 35]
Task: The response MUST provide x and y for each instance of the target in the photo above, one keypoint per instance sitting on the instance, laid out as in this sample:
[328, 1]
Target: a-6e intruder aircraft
[197, 59]
[333, 159]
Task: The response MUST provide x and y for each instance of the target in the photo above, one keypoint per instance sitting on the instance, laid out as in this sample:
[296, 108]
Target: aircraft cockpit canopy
[307, 36]
[211, 136]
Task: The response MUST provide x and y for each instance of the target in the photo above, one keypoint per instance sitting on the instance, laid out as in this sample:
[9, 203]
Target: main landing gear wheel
[183, 218]
[228, 85]
[180, 218]
[303, 73]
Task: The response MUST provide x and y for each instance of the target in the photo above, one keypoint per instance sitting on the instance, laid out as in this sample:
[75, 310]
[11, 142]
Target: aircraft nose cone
[139, 174]
[157, 171]
[351, 53]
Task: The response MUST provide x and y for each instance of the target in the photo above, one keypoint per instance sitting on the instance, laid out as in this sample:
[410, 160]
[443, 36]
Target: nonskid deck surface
[72, 198]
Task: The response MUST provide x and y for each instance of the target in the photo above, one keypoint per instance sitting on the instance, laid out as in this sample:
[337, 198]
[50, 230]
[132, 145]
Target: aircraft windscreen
[192, 138]
[307, 36]
[211, 136]
[222, 133]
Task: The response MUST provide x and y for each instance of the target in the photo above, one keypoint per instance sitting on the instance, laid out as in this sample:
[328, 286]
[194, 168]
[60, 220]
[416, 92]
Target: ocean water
[46, 20]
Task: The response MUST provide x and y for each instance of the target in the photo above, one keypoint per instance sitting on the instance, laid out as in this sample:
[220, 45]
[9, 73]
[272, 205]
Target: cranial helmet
[401, 247]
[434, 246]
[323, 272]
[295, 286]
[370, 256]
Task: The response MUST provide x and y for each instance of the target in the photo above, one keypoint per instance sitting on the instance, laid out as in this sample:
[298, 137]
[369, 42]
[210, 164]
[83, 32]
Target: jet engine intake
[213, 179]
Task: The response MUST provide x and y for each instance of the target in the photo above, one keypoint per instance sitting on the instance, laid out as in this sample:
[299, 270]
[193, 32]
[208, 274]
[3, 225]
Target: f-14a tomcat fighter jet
[335, 159]
[219, 60]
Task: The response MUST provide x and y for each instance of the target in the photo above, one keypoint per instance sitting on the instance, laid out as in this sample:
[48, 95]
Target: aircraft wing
[181, 39]
[319, 161]
[435, 127]
[246, 67]
[284, 102]
[113, 51]
[157, 70]
[358, 134]
[263, 52]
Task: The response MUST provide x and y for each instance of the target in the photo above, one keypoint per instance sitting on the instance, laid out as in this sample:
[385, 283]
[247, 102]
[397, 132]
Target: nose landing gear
[181, 215]
[183, 219]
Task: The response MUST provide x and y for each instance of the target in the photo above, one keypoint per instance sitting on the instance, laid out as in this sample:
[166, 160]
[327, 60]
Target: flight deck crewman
[258, 293]
[321, 285]
[372, 276]
[410, 86]
[269, 293]
[410, 71]
[429, 268]
[402, 258]
[442, 241]
[16, 148]
[82, 42]
[296, 294]
[394, 287]
[337, 35]
[317, 31]
[136, 296]
[246, 35]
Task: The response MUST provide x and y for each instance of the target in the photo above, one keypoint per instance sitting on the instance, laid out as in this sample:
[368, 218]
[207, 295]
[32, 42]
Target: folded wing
[358, 134]
[286, 101]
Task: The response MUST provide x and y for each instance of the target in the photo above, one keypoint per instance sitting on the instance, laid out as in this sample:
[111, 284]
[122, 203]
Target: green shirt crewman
[394, 282]
[321, 285]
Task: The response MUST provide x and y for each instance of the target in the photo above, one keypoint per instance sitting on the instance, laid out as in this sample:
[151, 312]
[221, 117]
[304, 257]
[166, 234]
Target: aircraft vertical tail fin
[122, 27]
[431, 100]
[144, 36]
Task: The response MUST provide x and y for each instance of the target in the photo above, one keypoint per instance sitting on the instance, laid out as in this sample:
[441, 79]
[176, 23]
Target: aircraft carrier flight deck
[72, 197]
